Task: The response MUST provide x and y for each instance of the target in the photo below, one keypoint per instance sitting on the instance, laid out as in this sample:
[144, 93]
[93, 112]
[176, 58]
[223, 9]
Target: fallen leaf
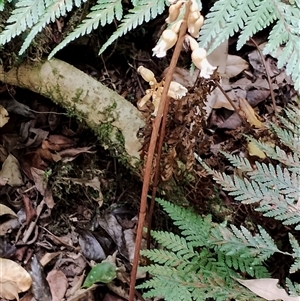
[235, 65]
[267, 288]
[14, 279]
[250, 114]
[102, 272]
[255, 151]
[40, 287]
[58, 283]
[3, 116]
[11, 171]
[6, 210]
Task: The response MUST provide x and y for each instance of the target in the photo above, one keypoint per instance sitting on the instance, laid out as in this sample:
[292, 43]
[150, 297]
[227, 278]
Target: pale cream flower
[195, 22]
[174, 10]
[176, 90]
[200, 61]
[147, 75]
[167, 40]
[194, 6]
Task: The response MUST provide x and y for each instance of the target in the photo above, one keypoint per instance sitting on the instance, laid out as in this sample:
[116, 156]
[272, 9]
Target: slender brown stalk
[162, 111]
[176, 54]
[268, 75]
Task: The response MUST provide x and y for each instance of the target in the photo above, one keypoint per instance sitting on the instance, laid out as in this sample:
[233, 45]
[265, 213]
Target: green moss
[78, 94]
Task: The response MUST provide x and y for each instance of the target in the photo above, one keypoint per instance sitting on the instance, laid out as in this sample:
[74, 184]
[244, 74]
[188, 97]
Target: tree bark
[114, 120]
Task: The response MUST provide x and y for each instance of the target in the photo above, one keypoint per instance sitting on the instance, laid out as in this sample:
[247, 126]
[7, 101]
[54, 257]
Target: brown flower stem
[162, 111]
[268, 75]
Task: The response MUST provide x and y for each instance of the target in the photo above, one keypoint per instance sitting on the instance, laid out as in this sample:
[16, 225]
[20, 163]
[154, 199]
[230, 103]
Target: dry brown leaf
[235, 65]
[14, 279]
[267, 288]
[48, 257]
[58, 283]
[3, 116]
[6, 210]
[250, 114]
[11, 171]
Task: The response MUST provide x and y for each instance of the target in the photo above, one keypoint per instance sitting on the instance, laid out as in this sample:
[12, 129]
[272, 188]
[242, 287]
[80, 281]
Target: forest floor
[68, 202]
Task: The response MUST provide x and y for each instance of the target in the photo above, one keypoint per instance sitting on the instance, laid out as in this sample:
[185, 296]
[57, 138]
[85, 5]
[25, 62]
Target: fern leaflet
[25, 14]
[145, 11]
[102, 13]
[54, 10]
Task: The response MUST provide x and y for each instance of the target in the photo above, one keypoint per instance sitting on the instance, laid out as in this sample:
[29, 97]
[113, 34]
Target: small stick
[268, 75]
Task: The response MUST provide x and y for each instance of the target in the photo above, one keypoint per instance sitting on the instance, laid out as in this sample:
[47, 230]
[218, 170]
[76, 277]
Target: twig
[232, 104]
[156, 125]
[268, 75]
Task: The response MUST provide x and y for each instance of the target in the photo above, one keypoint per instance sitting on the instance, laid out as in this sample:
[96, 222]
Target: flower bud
[167, 40]
[174, 10]
[146, 74]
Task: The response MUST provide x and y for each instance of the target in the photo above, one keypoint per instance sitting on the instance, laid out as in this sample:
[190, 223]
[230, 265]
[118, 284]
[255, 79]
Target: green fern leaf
[224, 19]
[296, 254]
[102, 13]
[145, 11]
[25, 14]
[294, 288]
[263, 14]
[227, 17]
[174, 243]
[194, 228]
[54, 10]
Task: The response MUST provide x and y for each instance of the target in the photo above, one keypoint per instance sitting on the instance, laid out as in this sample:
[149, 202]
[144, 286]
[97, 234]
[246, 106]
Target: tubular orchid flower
[167, 40]
[195, 22]
[176, 90]
[200, 61]
[174, 10]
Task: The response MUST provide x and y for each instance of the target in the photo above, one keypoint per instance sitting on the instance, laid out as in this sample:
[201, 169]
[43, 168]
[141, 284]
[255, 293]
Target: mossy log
[114, 120]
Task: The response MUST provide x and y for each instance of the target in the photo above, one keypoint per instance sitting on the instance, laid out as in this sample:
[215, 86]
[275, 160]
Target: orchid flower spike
[167, 40]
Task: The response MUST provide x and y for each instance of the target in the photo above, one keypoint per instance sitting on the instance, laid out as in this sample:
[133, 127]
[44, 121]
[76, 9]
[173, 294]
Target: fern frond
[286, 31]
[244, 264]
[240, 163]
[263, 14]
[294, 288]
[54, 10]
[280, 179]
[25, 14]
[227, 17]
[291, 160]
[167, 258]
[224, 19]
[241, 242]
[194, 228]
[168, 283]
[174, 243]
[296, 254]
[102, 13]
[143, 12]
